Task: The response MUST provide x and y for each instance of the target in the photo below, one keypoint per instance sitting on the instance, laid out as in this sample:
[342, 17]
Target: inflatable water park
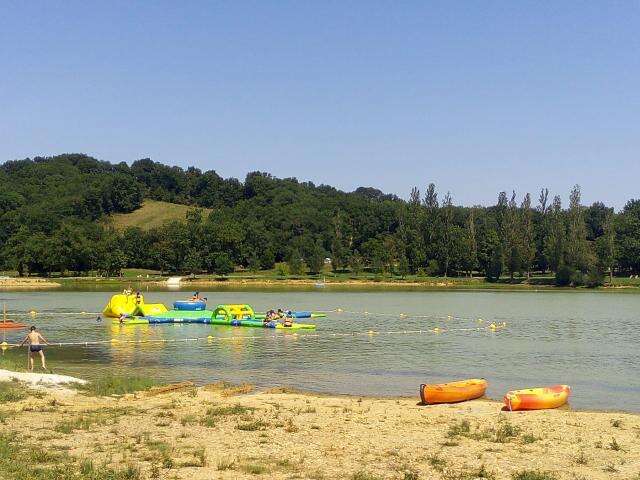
[131, 309]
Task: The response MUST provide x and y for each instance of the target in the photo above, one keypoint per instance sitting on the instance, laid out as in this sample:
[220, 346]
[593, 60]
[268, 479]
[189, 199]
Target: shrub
[563, 276]
[595, 278]
[577, 278]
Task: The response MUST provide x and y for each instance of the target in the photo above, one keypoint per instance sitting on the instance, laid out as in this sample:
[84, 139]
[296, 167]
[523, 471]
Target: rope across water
[304, 336]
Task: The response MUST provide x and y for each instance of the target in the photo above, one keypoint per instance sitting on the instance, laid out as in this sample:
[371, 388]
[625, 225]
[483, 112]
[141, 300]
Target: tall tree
[431, 222]
[554, 244]
[628, 237]
[446, 238]
[542, 229]
[528, 245]
[512, 237]
[606, 246]
[577, 249]
[471, 254]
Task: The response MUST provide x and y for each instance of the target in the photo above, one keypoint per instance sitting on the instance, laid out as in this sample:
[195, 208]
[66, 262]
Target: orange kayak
[537, 398]
[453, 392]
[9, 324]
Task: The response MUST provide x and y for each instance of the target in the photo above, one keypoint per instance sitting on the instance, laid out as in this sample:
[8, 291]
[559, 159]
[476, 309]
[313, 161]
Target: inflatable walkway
[232, 315]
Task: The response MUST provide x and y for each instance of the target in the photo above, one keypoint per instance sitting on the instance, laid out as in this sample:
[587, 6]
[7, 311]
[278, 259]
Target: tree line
[54, 210]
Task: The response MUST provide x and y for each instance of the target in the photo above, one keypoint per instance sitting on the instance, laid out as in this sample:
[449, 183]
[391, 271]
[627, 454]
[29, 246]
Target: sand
[44, 381]
[221, 432]
[10, 283]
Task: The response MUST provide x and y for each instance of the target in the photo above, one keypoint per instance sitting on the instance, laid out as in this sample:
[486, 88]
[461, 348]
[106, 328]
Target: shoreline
[13, 283]
[194, 432]
[431, 284]
[57, 381]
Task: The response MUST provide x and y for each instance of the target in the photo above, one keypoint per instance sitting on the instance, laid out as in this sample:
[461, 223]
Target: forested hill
[52, 220]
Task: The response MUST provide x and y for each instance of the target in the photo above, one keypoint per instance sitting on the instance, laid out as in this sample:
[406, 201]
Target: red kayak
[11, 325]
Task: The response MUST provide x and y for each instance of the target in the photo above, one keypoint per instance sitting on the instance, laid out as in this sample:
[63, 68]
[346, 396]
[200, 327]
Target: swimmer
[36, 344]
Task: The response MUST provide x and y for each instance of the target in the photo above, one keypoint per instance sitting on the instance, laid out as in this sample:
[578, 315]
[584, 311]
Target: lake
[588, 340]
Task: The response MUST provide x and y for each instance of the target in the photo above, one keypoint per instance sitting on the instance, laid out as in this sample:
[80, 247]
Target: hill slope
[152, 214]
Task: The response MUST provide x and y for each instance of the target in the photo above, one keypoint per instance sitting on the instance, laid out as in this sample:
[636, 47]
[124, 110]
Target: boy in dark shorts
[36, 344]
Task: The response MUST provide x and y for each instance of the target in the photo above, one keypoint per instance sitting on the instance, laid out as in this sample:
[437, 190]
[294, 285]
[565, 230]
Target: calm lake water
[588, 340]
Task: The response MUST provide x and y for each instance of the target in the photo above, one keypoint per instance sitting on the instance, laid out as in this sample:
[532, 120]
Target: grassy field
[152, 214]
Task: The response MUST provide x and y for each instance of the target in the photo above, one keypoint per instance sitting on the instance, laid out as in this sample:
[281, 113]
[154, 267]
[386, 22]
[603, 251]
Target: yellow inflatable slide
[149, 309]
[122, 303]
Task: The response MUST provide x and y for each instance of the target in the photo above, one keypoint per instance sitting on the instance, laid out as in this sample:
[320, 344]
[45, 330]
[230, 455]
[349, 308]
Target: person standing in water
[36, 344]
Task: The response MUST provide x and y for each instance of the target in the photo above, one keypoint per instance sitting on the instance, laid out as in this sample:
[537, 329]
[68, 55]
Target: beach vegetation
[614, 445]
[252, 426]
[116, 385]
[533, 475]
[364, 475]
[226, 464]
[22, 461]
[582, 459]
[461, 428]
[12, 392]
[437, 462]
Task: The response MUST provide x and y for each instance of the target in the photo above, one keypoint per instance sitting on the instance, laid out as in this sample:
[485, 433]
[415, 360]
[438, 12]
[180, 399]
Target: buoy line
[214, 338]
[402, 315]
[34, 313]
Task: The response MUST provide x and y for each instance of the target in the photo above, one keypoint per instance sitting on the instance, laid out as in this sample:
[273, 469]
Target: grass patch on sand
[213, 414]
[21, 461]
[12, 365]
[116, 385]
[503, 433]
[12, 392]
[252, 426]
[263, 465]
[437, 463]
[105, 416]
[362, 475]
[533, 475]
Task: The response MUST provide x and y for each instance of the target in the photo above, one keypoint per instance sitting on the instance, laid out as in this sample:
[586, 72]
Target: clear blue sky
[475, 96]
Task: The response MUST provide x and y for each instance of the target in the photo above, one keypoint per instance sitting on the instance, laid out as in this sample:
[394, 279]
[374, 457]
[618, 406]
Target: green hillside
[151, 214]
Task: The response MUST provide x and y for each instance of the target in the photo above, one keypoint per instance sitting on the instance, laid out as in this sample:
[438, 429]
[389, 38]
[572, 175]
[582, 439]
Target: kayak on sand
[453, 392]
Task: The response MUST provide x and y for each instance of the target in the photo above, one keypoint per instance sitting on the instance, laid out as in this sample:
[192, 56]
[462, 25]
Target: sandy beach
[227, 432]
[11, 283]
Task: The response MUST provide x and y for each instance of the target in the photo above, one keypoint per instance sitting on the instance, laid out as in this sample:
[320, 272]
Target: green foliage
[295, 262]
[282, 269]
[563, 276]
[224, 264]
[52, 221]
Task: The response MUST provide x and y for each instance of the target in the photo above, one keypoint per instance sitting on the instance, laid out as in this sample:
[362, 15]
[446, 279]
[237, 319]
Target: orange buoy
[453, 392]
[537, 398]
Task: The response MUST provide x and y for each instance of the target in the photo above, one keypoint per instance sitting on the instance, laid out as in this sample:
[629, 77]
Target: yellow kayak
[537, 398]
